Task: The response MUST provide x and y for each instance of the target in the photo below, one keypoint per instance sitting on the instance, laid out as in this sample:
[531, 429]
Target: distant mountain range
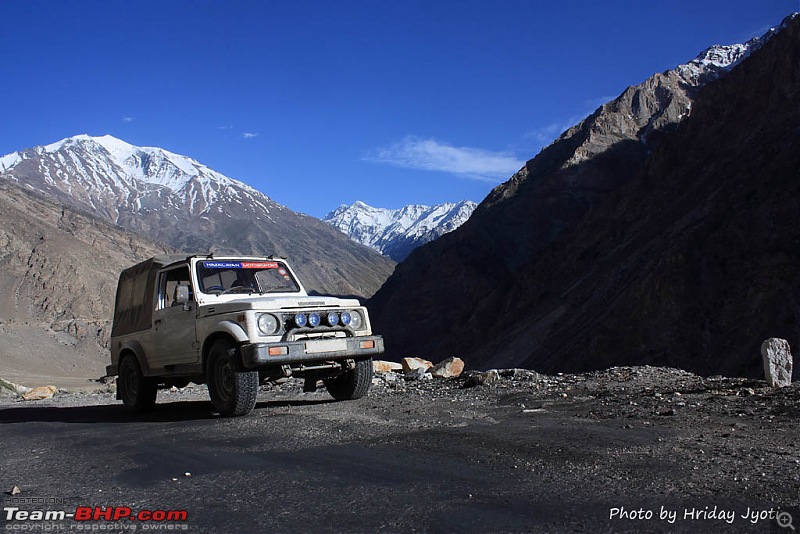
[395, 233]
[183, 203]
[659, 230]
[74, 213]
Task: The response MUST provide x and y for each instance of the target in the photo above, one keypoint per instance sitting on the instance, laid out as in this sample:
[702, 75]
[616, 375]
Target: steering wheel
[214, 288]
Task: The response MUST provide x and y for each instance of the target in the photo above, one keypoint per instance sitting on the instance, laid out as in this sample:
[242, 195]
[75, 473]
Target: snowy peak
[106, 173]
[718, 59]
[395, 233]
[178, 201]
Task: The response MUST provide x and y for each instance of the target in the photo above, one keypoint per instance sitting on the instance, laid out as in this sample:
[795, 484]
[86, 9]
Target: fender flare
[133, 346]
[232, 328]
[228, 329]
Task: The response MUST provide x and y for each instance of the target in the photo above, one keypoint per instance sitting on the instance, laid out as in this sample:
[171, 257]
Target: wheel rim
[131, 382]
[223, 376]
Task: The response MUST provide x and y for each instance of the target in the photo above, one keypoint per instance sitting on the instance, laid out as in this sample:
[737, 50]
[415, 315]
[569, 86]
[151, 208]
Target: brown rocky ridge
[658, 231]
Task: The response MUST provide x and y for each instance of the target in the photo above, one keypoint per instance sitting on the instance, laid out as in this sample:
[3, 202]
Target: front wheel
[233, 391]
[352, 384]
[138, 392]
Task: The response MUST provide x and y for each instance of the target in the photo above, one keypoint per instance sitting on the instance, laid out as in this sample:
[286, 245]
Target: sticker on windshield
[222, 264]
[259, 265]
[240, 264]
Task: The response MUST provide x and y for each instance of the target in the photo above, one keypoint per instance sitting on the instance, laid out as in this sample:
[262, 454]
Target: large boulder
[777, 362]
[449, 368]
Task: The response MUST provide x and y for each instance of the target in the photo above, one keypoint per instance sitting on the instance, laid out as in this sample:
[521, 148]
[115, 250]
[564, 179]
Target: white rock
[777, 362]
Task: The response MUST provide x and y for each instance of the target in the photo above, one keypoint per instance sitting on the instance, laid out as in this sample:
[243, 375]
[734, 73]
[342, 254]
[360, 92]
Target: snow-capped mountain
[395, 233]
[718, 59]
[116, 178]
[181, 202]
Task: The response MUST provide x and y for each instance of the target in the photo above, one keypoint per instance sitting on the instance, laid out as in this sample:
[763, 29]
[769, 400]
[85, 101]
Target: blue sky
[319, 103]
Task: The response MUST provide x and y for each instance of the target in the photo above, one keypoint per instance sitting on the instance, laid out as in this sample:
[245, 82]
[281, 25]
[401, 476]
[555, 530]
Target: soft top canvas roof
[133, 310]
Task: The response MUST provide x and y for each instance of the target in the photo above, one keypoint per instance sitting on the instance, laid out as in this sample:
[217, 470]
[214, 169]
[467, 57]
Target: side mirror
[182, 294]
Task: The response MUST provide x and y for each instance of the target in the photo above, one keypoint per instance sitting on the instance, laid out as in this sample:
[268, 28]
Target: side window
[168, 281]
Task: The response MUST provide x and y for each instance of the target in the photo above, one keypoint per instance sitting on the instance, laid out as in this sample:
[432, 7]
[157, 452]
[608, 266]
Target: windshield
[218, 277]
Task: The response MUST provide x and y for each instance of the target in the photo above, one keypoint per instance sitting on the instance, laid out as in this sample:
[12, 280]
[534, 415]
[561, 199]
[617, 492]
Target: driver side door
[173, 330]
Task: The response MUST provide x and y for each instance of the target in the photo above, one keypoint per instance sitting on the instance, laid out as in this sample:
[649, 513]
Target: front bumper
[310, 350]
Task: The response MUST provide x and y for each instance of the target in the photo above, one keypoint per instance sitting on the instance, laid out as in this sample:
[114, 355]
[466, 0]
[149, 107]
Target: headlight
[313, 319]
[356, 321]
[268, 324]
[331, 319]
[300, 320]
[345, 318]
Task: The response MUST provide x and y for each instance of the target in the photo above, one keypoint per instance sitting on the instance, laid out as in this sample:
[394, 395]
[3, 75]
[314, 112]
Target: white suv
[233, 322]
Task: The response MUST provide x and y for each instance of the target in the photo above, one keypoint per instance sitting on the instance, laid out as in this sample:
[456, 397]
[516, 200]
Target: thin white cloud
[432, 155]
[128, 119]
[594, 103]
[225, 127]
[249, 135]
[548, 133]
[545, 135]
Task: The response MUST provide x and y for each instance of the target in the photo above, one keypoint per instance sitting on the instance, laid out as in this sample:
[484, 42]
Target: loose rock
[416, 374]
[380, 366]
[482, 379]
[777, 362]
[410, 364]
[449, 368]
[40, 393]
[12, 388]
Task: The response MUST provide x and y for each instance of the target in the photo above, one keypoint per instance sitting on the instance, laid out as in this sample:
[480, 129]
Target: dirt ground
[624, 450]
[34, 355]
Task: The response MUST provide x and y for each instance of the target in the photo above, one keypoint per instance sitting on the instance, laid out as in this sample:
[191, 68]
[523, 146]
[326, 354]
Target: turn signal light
[278, 351]
[367, 344]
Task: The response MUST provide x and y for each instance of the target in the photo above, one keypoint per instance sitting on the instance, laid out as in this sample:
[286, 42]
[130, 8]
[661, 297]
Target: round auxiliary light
[356, 321]
[268, 324]
[345, 318]
[300, 320]
[313, 319]
[331, 319]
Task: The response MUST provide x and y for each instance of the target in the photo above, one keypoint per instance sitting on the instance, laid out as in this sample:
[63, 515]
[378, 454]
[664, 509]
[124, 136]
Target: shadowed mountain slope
[599, 251]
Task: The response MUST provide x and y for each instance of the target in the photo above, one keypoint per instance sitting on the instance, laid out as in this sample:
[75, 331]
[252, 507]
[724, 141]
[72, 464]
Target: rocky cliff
[555, 271]
[58, 277]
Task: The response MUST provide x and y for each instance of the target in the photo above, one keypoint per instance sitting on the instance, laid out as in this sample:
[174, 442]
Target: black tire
[233, 390]
[352, 384]
[138, 392]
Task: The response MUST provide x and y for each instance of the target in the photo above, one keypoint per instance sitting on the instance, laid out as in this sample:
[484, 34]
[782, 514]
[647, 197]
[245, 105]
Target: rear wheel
[352, 384]
[138, 392]
[233, 390]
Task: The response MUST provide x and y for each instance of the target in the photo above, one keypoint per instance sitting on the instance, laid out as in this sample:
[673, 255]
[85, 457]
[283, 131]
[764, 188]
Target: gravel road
[625, 450]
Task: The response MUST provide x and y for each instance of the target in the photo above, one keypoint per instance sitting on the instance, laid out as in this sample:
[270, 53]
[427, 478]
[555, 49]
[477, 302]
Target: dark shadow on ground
[116, 413]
